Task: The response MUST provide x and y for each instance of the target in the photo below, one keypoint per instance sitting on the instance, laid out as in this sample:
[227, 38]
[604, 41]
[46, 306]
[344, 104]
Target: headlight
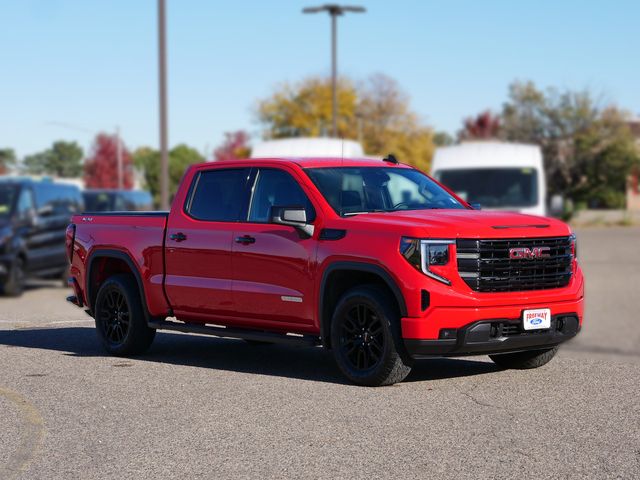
[574, 246]
[427, 255]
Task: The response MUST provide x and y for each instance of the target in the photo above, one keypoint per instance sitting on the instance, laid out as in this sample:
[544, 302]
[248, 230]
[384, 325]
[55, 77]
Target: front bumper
[494, 336]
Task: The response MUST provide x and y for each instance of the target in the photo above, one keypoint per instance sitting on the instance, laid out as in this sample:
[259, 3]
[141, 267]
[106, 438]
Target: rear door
[198, 245]
[273, 285]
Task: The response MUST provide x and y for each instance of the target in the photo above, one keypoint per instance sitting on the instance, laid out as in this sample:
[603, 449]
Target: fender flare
[120, 255]
[361, 267]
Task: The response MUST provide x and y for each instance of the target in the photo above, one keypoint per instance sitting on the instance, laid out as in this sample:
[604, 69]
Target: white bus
[496, 175]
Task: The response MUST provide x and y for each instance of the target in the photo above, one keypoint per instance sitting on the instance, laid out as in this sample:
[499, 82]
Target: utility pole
[119, 157]
[162, 84]
[334, 11]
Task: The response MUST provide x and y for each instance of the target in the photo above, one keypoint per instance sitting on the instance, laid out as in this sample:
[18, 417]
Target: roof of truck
[318, 162]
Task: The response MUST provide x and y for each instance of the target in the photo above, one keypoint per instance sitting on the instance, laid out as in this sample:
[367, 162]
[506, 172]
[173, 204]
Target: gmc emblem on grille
[523, 252]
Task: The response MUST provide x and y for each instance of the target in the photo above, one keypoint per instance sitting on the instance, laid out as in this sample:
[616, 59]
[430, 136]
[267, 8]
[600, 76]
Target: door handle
[245, 240]
[178, 237]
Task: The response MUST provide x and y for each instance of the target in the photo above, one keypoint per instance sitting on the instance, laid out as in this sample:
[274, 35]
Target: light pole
[119, 159]
[162, 84]
[334, 11]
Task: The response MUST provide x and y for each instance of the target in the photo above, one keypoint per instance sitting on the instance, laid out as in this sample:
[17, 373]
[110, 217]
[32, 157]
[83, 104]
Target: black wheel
[14, 284]
[120, 320]
[362, 337]
[525, 360]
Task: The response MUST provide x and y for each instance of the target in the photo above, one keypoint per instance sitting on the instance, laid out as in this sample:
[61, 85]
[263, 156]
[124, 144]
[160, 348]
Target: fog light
[448, 334]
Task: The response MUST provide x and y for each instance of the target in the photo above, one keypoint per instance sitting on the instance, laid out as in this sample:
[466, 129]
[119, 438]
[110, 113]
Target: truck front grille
[486, 266]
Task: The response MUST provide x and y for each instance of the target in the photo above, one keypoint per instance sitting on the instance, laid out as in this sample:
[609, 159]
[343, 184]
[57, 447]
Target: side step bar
[288, 339]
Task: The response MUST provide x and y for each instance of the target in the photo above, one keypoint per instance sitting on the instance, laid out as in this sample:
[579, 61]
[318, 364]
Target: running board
[288, 339]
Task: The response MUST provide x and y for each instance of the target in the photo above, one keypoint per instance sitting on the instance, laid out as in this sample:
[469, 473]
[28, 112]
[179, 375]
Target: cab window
[276, 188]
[217, 195]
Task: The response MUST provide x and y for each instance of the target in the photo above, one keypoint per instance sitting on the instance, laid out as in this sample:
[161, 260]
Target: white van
[308, 147]
[497, 175]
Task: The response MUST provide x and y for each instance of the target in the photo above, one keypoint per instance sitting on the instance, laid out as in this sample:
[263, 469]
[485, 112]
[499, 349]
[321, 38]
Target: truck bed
[135, 237]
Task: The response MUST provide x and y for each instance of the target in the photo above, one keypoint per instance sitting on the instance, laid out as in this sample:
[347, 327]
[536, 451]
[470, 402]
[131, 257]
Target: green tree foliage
[376, 112]
[588, 150]
[63, 159]
[147, 161]
[7, 159]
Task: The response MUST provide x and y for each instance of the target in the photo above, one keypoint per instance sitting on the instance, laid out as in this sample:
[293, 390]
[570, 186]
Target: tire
[120, 321]
[524, 360]
[363, 340]
[14, 284]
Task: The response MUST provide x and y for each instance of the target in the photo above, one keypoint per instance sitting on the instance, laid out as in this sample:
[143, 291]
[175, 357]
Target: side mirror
[45, 211]
[293, 217]
[556, 206]
[475, 206]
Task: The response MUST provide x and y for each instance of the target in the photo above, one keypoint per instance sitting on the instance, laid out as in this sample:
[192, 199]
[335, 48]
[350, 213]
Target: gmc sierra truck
[369, 258]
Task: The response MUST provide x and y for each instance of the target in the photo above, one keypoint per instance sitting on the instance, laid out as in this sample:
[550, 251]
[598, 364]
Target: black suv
[117, 200]
[33, 219]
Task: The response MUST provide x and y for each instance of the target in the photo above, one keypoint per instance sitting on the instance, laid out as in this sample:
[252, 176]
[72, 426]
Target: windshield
[352, 190]
[7, 199]
[99, 201]
[493, 187]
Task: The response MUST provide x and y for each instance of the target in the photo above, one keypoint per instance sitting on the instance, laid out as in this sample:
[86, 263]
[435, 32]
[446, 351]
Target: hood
[463, 224]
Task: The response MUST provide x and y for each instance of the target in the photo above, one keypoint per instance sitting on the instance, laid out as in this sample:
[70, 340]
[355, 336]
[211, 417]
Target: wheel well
[337, 283]
[101, 269]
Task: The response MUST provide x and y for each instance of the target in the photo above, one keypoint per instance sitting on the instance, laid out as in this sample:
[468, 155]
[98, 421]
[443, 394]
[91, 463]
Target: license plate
[538, 319]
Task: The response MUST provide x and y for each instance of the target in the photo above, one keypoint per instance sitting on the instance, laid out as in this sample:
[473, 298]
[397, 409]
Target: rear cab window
[218, 195]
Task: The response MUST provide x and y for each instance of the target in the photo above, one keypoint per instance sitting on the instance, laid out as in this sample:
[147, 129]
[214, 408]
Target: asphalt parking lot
[198, 407]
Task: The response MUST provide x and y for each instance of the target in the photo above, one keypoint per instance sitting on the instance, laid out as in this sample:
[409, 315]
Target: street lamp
[162, 84]
[334, 10]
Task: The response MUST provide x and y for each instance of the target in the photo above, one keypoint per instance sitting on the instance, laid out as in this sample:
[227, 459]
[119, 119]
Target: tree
[588, 150]
[442, 139]
[390, 126]
[101, 168]
[484, 126]
[36, 163]
[305, 109]
[63, 159]
[234, 146]
[147, 161]
[7, 160]
[376, 112]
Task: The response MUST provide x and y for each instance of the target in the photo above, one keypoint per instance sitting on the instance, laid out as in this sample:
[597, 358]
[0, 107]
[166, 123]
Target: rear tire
[363, 340]
[120, 321]
[14, 284]
[524, 360]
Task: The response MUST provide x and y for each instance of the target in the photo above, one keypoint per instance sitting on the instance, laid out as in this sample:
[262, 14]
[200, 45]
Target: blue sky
[92, 65]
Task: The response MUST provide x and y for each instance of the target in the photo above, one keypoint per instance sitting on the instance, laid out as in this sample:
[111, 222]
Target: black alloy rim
[362, 337]
[114, 316]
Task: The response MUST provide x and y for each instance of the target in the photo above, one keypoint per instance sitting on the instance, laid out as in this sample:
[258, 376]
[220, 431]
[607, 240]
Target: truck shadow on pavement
[308, 363]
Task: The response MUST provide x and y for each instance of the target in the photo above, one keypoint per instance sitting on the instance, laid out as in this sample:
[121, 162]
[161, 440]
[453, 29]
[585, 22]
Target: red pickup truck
[371, 259]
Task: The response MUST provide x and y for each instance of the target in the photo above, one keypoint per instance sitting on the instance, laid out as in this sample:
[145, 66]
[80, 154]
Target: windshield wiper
[376, 210]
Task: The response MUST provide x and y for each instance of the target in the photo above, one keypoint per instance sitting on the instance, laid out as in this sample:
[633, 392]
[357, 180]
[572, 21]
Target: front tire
[14, 284]
[362, 337]
[120, 321]
[524, 360]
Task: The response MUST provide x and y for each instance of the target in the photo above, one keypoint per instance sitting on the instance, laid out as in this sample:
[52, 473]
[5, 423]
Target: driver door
[272, 283]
